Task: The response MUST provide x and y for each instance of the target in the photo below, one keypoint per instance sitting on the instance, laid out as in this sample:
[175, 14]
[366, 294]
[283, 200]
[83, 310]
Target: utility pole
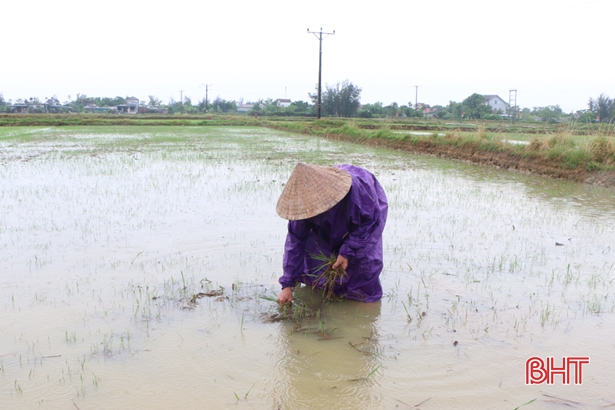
[206, 94]
[319, 36]
[512, 104]
[181, 99]
[416, 97]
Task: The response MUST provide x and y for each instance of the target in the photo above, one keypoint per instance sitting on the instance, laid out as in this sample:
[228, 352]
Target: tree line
[342, 100]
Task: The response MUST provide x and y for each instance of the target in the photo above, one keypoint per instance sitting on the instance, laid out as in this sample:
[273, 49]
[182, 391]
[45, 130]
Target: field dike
[470, 151]
[500, 160]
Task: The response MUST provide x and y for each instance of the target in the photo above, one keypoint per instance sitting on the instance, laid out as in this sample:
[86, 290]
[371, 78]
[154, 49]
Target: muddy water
[112, 238]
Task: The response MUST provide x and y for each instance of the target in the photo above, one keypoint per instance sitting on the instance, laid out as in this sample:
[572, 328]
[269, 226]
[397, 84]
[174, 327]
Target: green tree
[188, 108]
[79, 102]
[585, 116]
[154, 102]
[550, 114]
[525, 114]
[205, 106]
[409, 111]
[474, 107]
[603, 107]
[110, 102]
[175, 107]
[456, 109]
[221, 105]
[301, 106]
[453, 110]
[371, 110]
[392, 110]
[341, 100]
[270, 106]
[257, 109]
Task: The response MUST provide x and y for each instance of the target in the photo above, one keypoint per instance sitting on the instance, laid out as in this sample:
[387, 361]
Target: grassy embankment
[577, 152]
[581, 152]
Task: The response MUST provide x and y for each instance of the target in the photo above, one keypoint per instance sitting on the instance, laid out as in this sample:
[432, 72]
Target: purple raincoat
[352, 228]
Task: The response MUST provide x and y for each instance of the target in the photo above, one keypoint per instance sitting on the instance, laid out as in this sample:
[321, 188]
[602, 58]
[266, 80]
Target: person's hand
[285, 296]
[341, 261]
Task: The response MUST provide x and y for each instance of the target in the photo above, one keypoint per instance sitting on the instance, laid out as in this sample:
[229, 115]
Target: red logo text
[538, 371]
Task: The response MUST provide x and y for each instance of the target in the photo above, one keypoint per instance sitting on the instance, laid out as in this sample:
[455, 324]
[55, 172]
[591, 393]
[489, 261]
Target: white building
[283, 102]
[244, 107]
[496, 103]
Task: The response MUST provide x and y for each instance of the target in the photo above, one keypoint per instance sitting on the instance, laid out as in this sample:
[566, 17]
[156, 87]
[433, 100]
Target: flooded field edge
[500, 160]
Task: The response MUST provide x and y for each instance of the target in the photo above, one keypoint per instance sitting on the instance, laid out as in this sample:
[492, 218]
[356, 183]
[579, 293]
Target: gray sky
[550, 51]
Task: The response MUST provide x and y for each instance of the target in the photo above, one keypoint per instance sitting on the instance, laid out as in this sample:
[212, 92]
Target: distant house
[430, 112]
[27, 107]
[58, 109]
[244, 107]
[19, 108]
[496, 103]
[131, 106]
[53, 106]
[93, 108]
[283, 102]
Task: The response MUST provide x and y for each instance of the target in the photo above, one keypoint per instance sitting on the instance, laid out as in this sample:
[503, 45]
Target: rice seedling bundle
[328, 276]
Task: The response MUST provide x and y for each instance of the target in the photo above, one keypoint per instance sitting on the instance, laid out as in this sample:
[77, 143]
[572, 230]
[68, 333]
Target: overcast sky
[550, 51]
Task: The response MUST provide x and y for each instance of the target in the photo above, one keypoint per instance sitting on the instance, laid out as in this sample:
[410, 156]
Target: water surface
[107, 234]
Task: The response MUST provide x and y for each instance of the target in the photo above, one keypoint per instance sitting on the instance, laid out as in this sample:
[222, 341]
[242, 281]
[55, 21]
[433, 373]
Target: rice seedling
[326, 277]
[95, 380]
[17, 387]
[245, 397]
[297, 311]
[360, 379]
[269, 298]
[525, 404]
[409, 317]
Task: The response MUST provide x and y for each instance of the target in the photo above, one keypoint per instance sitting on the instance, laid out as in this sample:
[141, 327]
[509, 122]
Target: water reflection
[333, 358]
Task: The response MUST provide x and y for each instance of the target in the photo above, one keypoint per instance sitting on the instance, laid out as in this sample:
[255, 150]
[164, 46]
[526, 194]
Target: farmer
[339, 211]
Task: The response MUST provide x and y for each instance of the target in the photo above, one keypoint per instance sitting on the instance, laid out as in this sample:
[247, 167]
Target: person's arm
[294, 255]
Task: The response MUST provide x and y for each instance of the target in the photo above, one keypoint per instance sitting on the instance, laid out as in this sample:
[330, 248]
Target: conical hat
[312, 190]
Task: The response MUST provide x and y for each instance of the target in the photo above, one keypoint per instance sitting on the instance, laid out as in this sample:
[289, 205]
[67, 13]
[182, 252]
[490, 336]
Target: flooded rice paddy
[137, 267]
